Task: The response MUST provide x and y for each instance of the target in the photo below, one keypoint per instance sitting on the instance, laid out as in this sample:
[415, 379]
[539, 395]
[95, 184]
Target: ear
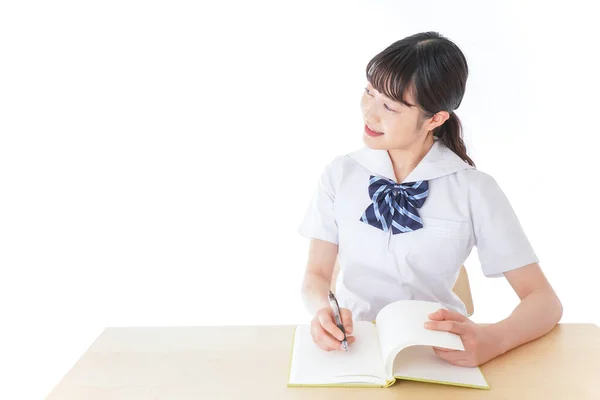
[436, 120]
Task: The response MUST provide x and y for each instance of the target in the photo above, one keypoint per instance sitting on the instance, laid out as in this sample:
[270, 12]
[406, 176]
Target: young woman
[403, 213]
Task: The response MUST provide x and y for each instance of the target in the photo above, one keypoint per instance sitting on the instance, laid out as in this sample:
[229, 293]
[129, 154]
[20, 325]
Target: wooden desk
[253, 362]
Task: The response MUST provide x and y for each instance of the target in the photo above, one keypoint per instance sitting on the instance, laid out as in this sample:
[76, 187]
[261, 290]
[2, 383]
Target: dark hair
[436, 71]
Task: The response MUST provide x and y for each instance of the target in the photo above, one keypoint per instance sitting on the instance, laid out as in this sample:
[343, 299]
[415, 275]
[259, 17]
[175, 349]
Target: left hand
[481, 345]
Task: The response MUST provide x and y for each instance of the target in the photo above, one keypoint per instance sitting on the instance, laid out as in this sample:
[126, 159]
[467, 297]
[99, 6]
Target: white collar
[439, 161]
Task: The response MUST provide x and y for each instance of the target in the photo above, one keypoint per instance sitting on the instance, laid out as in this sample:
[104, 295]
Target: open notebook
[396, 346]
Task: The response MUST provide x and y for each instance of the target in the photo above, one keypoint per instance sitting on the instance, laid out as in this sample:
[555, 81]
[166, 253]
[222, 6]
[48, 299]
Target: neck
[406, 159]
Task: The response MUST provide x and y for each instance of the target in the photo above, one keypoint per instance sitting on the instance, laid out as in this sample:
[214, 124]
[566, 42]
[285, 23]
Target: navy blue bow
[395, 205]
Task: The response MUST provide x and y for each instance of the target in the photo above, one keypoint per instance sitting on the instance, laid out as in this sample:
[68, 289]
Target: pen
[338, 319]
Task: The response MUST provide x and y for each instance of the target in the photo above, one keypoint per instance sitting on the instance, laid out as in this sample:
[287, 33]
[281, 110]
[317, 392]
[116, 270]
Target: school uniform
[408, 240]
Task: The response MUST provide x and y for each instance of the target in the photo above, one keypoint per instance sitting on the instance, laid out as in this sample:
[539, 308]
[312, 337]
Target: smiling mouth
[372, 132]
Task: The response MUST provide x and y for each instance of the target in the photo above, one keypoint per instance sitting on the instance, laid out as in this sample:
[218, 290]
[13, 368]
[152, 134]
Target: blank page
[421, 363]
[401, 324]
[312, 365]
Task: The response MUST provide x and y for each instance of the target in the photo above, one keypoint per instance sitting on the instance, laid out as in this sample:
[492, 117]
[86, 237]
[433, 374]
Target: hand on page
[480, 344]
[325, 332]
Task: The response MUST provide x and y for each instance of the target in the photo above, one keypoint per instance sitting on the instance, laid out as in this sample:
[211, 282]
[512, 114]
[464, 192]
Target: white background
[156, 158]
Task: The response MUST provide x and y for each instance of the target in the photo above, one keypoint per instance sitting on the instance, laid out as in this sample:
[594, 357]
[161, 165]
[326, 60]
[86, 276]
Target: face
[399, 126]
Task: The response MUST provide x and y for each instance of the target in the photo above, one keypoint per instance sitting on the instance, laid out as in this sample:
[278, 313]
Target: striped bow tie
[395, 205]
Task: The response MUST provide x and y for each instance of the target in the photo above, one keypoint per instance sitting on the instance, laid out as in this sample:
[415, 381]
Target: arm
[501, 244]
[537, 313]
[318, 274]
[315, 289]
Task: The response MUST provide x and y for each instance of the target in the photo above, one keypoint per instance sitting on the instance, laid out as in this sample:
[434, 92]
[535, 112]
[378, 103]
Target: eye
[387, 108]
[368, 92]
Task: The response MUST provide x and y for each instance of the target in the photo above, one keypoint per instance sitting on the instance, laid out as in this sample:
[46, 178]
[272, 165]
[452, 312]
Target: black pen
[338, 318]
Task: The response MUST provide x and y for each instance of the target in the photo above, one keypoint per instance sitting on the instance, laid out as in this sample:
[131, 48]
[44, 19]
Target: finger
[324, 340]
[449, 355]
[446, 326]
[441, 349]
[350, 340]
[438, 351]
[458, 360]
[326, 321]
[339, 346]
[346, 316]
[438, 315]
[444, 315]
[441, 354]
[461, 362]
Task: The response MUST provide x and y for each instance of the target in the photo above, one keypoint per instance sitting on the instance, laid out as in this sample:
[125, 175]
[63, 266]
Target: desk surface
[252, 362]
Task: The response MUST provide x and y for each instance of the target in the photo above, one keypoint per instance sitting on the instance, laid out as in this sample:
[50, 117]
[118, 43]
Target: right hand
[325, 332]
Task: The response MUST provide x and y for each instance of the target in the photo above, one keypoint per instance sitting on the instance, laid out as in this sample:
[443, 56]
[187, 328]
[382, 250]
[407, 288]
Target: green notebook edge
[447, 383]
[388, 384]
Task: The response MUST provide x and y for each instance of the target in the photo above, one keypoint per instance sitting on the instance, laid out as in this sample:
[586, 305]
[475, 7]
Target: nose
[369, 115]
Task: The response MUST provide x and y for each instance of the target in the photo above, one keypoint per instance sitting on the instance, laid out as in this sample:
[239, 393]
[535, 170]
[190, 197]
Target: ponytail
[450, 133]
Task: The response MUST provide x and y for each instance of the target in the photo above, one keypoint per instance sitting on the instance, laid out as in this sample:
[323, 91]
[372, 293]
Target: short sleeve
[499, 237]
[319, 221]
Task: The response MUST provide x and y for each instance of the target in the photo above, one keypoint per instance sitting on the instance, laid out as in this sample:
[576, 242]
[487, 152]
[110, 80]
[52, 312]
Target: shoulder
[338, 165]
[485, 194]
[478, 182]
[335, 164]
[332, 172]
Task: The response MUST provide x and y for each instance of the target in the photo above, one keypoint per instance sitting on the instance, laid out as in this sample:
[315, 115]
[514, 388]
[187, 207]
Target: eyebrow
[391, 100]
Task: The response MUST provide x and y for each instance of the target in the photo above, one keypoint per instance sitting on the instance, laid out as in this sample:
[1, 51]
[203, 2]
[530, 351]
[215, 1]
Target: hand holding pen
[335, 307]
[332, 326]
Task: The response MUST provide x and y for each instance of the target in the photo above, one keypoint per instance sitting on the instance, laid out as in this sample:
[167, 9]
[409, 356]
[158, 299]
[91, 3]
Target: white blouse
[464, 208]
